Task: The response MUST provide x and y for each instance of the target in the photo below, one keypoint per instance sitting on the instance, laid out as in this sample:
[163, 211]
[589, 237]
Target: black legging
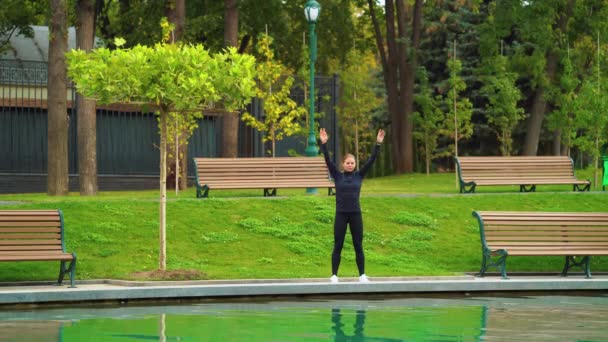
[355, 221]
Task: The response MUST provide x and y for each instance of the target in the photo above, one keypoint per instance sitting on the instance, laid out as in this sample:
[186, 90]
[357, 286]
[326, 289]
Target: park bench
[572, 235]
[527, 172]
[35, 235]
[269, 174]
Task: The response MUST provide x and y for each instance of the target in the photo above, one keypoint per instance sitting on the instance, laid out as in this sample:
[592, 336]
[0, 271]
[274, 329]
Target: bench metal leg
[471, 187]
[330, 192]
[484, 267]
[500, 263]
[527, 188]
[267, 192]
[202, 192]
[571, 261]
[71, 269]
[578, 187]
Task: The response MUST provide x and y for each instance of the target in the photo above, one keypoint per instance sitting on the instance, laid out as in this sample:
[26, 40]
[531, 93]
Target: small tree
[429, 119]
[592, 121]
[502, 94]
[458, 117]
[281, 114]
[358, 99]
[166, 78]
[561, 119]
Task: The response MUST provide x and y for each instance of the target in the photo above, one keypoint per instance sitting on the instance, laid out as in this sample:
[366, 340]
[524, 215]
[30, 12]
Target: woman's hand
[380, 137]
[323, 136]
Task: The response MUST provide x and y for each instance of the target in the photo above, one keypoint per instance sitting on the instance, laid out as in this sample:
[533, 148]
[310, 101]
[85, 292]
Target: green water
[550, 318]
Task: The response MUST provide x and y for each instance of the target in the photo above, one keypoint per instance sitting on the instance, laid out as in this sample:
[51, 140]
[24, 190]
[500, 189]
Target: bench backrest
[28, 231]
[543, 230]
[478, 168]
[261, 170]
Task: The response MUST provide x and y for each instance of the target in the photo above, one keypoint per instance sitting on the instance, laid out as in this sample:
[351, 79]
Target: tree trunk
[358, 156]
[427, 155]
[539, 105]
[557, 142]
[398, 65]
[230, 127]
[535, 122]
[162, 259]
[272, 135]
[87, 115]
[183, 178]
[175, 11]
[57, 179]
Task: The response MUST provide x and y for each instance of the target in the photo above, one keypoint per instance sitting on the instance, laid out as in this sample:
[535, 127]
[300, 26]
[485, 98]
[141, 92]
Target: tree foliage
[459, 109]
[429, 119]
[282, 115]
[358, 101]
[502, 109]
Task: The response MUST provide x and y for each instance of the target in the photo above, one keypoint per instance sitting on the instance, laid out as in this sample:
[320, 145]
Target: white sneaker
[363, 279]
[333, 279]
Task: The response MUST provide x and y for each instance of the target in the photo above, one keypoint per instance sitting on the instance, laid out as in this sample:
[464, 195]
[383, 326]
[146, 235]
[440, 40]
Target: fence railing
[126, 141]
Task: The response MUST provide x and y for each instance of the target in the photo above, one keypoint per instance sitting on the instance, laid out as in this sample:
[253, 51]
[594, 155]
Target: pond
[474, 318]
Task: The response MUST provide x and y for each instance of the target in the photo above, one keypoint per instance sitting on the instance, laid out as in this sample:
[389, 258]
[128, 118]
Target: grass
[414, 225]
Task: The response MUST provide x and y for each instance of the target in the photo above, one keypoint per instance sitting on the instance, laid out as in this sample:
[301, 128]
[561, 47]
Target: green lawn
[414, 225]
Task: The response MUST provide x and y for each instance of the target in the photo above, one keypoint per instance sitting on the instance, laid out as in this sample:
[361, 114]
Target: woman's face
[349, 164]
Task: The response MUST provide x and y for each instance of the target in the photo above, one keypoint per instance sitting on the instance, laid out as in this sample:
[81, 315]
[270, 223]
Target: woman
[348, 210]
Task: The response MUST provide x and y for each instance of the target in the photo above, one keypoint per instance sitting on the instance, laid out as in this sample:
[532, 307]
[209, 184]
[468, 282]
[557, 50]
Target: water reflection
[546, 318]
[358, 328]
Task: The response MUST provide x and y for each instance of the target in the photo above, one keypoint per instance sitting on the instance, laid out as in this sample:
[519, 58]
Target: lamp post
[311, 10]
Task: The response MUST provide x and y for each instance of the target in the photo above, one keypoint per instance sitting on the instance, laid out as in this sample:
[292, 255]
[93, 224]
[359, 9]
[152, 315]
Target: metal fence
[126, 141]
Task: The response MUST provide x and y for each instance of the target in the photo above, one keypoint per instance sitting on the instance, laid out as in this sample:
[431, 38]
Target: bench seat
[571, 235]
[269, 174]
[35, 235]
[527, 172]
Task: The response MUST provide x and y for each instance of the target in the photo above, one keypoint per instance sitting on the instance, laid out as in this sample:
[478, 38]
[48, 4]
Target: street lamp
[311, 10]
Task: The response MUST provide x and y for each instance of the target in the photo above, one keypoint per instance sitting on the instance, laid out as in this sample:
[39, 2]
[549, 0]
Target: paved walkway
[123, 291]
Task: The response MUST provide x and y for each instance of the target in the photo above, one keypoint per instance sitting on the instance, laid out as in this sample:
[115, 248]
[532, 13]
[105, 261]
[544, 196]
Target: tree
[57, 161]
[591, 120]
[429, 119]
[230, 122]
[502, 111]
[15, 18]
[399, 57]
[458, 116]
[358, 100]
[554, 16]
[281, 114]
[166, 78]
[87, 114]
[561, 119]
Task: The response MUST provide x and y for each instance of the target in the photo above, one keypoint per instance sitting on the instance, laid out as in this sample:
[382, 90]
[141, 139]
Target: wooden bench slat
[36, 257]
[31, 236]
[32, 242]
[29, 230]
[32, 252]
[545, 233]
[569, 238]
[541, 229]
[19, 218]
[557, 253]
[30, 247]
[30, 212]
